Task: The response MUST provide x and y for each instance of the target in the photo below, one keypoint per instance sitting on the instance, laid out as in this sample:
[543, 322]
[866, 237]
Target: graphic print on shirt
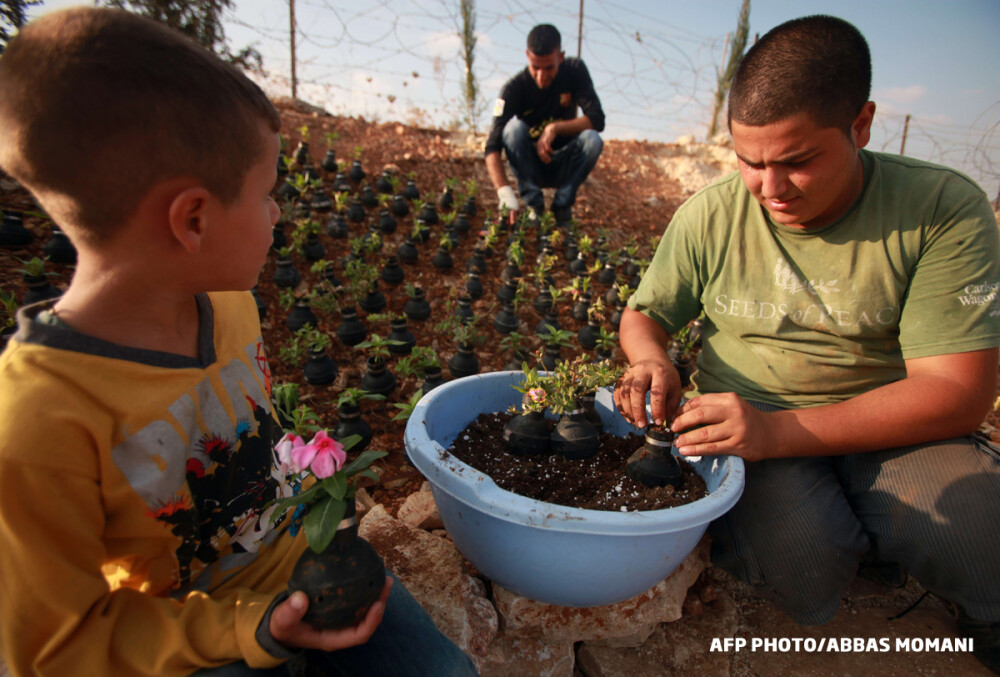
[211, 487]
[811, 303]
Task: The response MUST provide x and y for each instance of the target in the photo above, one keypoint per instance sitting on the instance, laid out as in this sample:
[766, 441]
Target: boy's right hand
[288, 627]
[656, 377]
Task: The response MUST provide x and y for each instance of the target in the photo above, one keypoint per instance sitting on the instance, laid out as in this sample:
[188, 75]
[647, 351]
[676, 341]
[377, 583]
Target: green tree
[13, 15]
[200, 20]
[726, 75]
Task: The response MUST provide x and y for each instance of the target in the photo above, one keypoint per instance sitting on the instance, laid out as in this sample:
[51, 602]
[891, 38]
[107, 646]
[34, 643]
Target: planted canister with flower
[340, 572]
[561, 391]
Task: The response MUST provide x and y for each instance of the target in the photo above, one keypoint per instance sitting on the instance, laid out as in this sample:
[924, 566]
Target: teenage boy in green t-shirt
[850, 343]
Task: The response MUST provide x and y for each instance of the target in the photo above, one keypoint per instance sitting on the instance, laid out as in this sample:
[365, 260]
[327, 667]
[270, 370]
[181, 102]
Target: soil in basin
[596, 483]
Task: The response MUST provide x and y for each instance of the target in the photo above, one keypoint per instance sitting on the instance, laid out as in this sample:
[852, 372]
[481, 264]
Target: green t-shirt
[799, 318]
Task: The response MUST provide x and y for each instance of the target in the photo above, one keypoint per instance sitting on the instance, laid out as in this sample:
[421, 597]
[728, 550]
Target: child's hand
[288, 627]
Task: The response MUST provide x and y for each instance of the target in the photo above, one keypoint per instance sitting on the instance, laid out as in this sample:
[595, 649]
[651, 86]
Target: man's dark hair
[544, 39]
[818, 65]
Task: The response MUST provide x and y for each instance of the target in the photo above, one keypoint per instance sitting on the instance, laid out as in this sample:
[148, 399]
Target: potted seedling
[561, 392]
[329, 162]
[377, 379]
[320, 369]
[554, 340]
[340, 572]
[8, 316]
[681, 352]
[551, 318]
[349, 411]
[36, 278]
[356, 173]
[464, 362]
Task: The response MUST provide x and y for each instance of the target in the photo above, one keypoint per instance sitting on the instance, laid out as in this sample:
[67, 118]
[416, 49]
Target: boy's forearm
[494, 167]
[570, 127]
[642, 338]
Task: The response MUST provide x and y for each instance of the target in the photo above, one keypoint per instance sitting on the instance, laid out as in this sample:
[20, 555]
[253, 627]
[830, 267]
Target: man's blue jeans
[406, 644]
[803, 525]
[568, 169]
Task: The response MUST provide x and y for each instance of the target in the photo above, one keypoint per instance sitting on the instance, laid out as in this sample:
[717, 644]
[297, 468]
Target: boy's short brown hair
[820, 65]
[99, 105]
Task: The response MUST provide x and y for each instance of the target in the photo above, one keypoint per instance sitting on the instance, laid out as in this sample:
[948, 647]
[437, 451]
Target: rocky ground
[633, 192]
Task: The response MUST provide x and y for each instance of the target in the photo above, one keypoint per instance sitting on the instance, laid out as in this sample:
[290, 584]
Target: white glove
[508, 198]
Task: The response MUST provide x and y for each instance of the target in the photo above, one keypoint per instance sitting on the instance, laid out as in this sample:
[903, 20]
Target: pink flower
[537, 395]
[323, 455]
[286, 448]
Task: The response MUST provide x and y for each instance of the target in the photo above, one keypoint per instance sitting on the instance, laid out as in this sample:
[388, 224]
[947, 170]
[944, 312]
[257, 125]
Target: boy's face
[247, 231]
[543, 68]
[804, 175]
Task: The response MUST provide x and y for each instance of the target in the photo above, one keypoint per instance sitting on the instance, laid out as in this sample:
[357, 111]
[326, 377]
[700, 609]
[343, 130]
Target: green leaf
[336, 486]
[368, 472]
[283, 504]
[366, 458]
[321, 523]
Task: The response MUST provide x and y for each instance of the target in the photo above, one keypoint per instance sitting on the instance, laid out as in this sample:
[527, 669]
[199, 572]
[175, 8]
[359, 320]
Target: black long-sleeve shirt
[522, 97]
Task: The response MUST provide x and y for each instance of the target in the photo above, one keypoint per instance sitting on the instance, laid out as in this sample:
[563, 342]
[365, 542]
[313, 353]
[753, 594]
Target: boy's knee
[591, 143]
[515, 132]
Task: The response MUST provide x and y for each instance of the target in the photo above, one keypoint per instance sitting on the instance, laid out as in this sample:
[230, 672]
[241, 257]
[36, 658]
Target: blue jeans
[803, 525]
[406, 644]
[568, 169]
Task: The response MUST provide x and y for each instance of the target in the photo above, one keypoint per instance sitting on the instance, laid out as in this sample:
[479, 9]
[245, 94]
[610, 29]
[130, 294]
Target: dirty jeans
[568, 169]
[406, 644]
[803, 524]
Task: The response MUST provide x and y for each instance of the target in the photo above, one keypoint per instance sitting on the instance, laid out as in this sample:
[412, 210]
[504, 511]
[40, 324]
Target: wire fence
[400, 60]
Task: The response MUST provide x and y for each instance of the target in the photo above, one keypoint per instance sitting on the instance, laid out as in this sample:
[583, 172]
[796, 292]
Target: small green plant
[561, 391]
[467, 334]
[304, 133]
[331, 138]
[406, 408]
[471, 187]
[34, 267]
[297, 418]
[8, 304]
[286, 299]
[557, 337]
[377, 347]
[624, 292]
[354, 396]
[515, 253]
[514, 342]
[606, 339]
[358, 152]
[305, 340]
[416, 364]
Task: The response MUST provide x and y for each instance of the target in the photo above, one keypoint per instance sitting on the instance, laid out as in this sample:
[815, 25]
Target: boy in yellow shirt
[137, 452]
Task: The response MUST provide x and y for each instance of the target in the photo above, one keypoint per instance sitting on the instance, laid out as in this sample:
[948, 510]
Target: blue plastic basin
[547, 552]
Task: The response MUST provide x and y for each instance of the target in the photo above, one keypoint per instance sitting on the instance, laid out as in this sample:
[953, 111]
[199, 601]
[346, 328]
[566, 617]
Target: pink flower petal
[285, 446]
[327, 446]
[323, 465]
[303, 456]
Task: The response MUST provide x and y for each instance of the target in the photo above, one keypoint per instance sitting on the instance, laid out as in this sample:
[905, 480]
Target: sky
[653, 62]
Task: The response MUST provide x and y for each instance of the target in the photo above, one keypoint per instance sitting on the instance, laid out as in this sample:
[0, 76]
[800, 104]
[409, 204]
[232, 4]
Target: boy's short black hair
[820, 65]
[544, 39]
[100, 105]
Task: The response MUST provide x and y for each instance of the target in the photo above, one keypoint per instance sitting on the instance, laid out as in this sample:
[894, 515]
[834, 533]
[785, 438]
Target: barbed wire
[399, 60]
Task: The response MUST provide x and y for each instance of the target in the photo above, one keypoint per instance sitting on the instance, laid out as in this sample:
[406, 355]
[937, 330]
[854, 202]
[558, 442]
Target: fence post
[291, 29]
[906, 128]
[579, 34]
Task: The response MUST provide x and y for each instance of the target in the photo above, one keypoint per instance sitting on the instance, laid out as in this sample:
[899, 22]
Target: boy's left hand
[288, 627]
[723, 423]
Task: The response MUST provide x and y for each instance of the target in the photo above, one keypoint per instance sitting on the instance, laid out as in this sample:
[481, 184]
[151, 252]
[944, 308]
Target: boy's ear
[188, 216]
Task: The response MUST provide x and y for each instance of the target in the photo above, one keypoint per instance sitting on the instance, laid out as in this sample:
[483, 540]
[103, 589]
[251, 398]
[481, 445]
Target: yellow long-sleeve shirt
[134, 534]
